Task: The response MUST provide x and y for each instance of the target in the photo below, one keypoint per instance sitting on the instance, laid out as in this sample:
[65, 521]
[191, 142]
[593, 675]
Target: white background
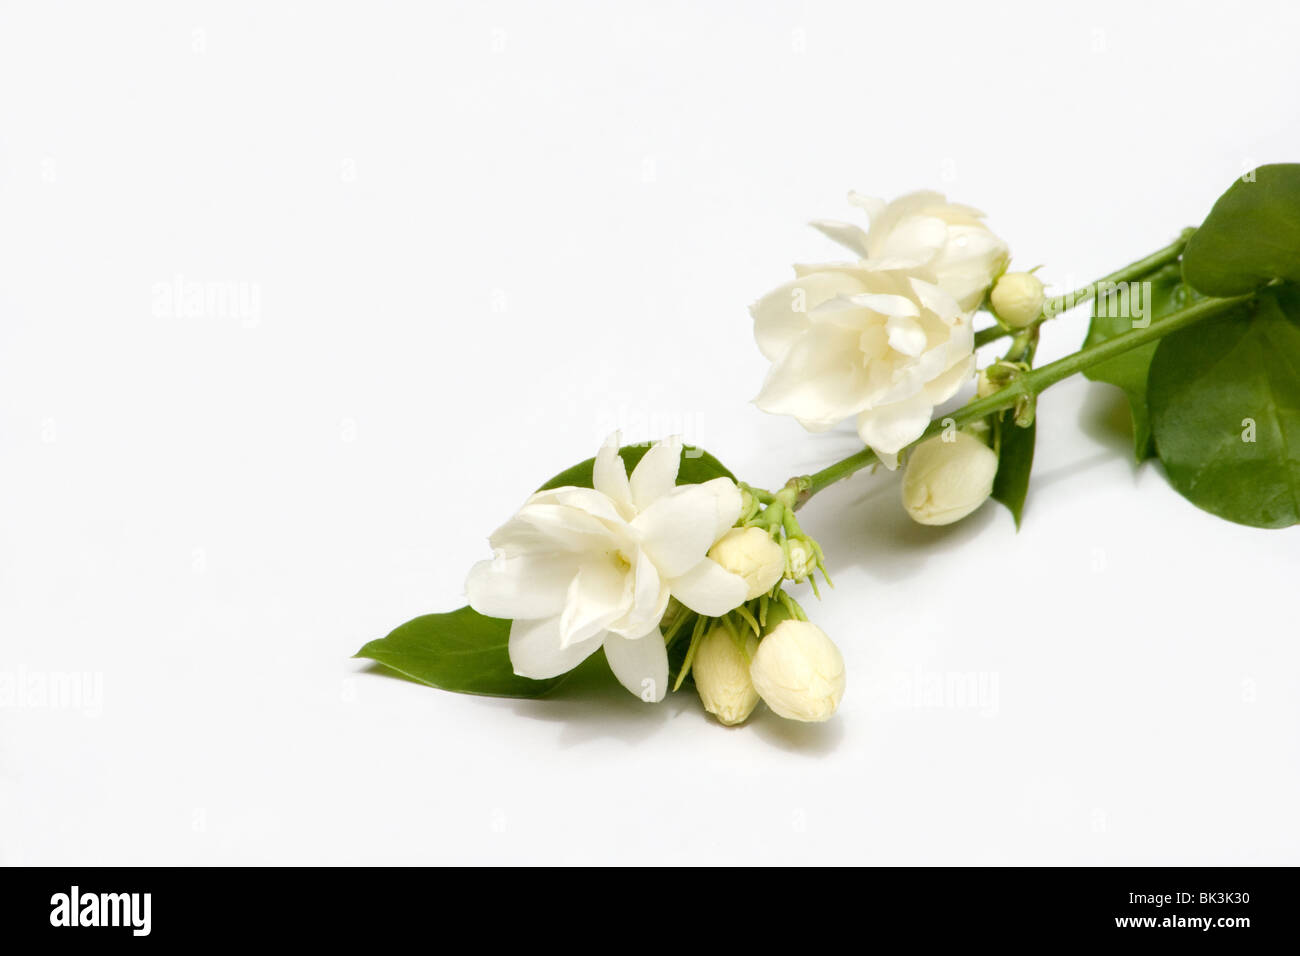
[473, 240]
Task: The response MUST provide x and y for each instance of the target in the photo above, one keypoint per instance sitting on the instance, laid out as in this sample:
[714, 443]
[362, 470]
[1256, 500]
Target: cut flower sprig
[665, 567]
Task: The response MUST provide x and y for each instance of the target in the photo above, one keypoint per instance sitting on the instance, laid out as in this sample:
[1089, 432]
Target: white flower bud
[798, 671]
[721, 674]
[752, 554]
[947, 480]
[1017, 298]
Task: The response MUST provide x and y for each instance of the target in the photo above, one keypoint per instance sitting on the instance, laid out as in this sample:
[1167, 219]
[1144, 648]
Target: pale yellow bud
[721, 674]
[947, 480]
[1017, 298]
[801, 560]
[798, 671]
[752, 554]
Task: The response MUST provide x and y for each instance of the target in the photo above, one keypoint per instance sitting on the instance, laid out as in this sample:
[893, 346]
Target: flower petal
[939, 390]
[536, 651]
[709, 589]
[649, 600]
[609, 475]
[640, 664]
[851, 237]
[873, 206]
[678, 529]
[804, 269]
[968, 262]
[887, 304]
[821, 380]
[656, 473]
[727, 502]
[588, 500]
[781, 316]
[525, 585]
[905, 335]
[547, 527]
[937, 301]
[887, 428]
[600, 593]
[917, 237]
[972, 245]
[887, 218]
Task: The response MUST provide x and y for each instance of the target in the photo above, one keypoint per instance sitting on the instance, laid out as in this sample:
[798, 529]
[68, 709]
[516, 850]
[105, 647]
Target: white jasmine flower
[721, 672]
[924, 235]
[798, 671]
[947, 480]
[751, 553]
[881, 346]
[1017, 298]
[581, 568]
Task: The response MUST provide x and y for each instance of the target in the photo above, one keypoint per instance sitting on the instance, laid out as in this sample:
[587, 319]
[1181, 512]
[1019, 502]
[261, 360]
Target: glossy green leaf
[1114, 315]
[1015, 461]
[1225, 411]
[697, 466]
[461, 650]
[1251, 236]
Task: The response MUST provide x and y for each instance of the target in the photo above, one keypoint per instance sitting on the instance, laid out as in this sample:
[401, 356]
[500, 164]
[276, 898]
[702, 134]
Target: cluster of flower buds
[795, 669]
[767, 650]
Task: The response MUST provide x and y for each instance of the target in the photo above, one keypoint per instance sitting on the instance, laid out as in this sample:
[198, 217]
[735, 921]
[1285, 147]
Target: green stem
[1130, 273]
[1032, 383]
[991, 334]
[1142, 269]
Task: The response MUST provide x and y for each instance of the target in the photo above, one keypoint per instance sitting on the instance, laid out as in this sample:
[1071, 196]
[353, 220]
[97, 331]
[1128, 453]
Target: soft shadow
[811, 740]
[861, 524]
[1043, 479]
[1105, 418]
[592, 705]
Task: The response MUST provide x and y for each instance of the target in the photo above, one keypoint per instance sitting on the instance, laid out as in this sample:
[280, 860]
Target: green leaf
[1015, 461]
[1111, 317]
[462, 651]
[1225, 411]
[697, 466]
[1251, 236]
